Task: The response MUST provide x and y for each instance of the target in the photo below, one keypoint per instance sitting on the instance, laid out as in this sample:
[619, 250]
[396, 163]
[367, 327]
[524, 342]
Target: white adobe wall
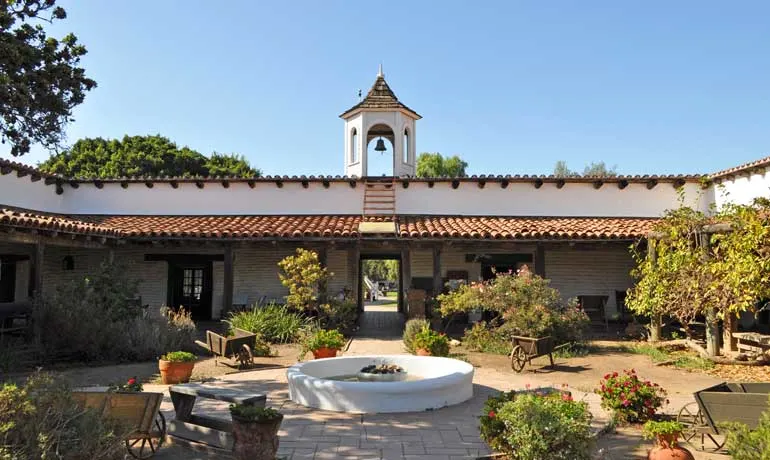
[742, 189]
[523, 199]
[21, 192]
[239, 199]
[590, 270]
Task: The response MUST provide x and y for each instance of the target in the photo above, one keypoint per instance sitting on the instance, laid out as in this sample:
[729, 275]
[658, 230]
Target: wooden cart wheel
[696, 431]
[145, 445]
[518, 358]
[245, 356]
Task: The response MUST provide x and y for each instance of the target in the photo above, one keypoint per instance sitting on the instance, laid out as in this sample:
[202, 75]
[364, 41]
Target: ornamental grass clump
[629, 398]
[537, 425]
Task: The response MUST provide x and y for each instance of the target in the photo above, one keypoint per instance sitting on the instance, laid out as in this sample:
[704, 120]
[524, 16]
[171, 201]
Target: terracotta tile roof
[320, 226]
[526, 228]
[761, 163]
[325, 226]
[51, 222]
[380, 96]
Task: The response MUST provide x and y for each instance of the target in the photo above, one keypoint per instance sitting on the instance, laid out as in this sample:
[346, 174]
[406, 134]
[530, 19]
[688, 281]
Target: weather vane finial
[379, 71]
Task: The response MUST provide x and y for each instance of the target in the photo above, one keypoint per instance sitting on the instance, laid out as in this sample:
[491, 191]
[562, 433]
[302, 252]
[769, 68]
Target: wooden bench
[214, 432]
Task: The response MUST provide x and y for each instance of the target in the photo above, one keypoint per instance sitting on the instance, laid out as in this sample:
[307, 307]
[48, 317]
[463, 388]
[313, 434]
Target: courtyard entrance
[381, 301]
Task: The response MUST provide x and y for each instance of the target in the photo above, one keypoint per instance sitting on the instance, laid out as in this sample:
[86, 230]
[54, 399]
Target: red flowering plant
[629, 398]
[132, 385]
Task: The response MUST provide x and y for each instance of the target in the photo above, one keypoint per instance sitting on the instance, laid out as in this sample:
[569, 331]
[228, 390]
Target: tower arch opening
[380, 150]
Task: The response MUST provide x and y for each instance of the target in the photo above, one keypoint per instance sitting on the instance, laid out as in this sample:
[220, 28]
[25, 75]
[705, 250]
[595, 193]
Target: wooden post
[227, 295]
[36, 271]
[712, 322]
[540, 260]
[656, 321]
[730, 325]
[354, 266]
[438, 281]
[323, 289]
[406, 278]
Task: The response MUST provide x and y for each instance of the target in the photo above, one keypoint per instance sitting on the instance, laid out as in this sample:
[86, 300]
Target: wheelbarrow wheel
[145, 445]
[518, 359]
[696, 431]
[245, 356]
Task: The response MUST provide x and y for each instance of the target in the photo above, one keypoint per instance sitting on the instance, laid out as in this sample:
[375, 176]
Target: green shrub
[94, 319]
[275, 323]
[537, 425]
[411, 328]
[746, 444]
[629, 398]
[41, 420]
[254, 413]
[428, 339]
[179, 357]
[481, 337]
[261, 347]
[338, 314]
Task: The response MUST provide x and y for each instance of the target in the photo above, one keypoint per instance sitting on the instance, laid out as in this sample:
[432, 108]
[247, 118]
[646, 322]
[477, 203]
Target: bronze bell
[380, 147]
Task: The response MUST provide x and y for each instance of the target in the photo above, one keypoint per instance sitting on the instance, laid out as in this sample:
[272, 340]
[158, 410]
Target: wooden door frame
[176, 268]
[381, 256]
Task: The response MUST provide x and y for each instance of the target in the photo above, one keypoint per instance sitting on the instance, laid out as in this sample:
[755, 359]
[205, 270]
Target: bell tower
[380, 116]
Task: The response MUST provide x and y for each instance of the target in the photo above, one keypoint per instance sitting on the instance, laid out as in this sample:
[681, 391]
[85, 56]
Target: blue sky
[512, 87]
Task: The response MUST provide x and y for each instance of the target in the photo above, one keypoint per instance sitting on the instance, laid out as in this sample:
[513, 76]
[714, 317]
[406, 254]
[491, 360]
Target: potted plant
[665, 435]
[428, 342]
[255, 430]
[325, 344]
[176, 367]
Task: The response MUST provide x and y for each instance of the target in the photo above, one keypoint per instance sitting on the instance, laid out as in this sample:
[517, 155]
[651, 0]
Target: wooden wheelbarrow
[238, 347]
[140, 412]
[726, 402]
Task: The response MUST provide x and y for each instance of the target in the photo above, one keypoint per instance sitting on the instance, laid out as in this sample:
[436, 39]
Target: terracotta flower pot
[667, 449]
[422, 352]
[175, 372]
[255, 440]
[324, 352]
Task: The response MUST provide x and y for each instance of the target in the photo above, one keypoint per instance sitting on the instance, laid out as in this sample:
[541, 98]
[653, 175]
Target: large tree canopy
[143, 156]
[436, 165]
[40, 78]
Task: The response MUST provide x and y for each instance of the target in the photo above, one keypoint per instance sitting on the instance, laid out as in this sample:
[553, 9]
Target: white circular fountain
[432, 383]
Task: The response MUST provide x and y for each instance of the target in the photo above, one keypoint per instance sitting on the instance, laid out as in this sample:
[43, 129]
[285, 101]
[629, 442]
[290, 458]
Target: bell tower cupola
[380, 115]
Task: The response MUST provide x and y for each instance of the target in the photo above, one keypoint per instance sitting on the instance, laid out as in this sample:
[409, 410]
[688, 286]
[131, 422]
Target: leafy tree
[436, 165]
[594, 169]
[599, 169]
[561, 170]
[694, 270]
[40, 78]
[304, 276]
[143, 156]
[381, 270]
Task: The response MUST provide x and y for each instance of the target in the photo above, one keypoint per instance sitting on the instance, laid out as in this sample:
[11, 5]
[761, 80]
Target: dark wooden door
[190, 287]
[7, 281]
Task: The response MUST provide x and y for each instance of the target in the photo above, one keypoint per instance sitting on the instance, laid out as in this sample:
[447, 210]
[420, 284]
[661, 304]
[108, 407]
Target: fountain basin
[440, 382]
